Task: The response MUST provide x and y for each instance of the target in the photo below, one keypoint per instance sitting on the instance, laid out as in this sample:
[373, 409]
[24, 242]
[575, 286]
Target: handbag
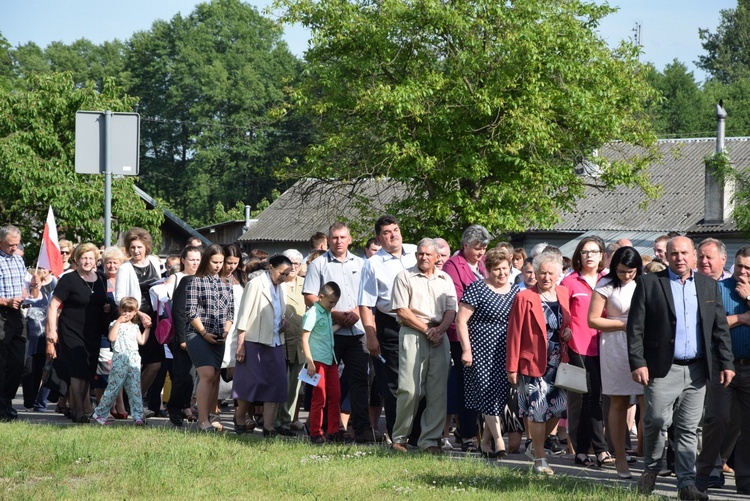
[571, 378]
[164, 331]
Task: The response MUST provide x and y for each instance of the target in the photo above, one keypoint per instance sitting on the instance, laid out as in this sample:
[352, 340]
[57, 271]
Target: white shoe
[445, 444]
[541, 467]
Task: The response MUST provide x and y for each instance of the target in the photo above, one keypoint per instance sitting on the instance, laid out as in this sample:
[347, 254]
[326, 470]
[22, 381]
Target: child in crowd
[317, 344]
[125, 336]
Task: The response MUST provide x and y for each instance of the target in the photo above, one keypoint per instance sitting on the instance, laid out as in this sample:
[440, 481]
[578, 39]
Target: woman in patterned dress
[482, 324]
[539, 323]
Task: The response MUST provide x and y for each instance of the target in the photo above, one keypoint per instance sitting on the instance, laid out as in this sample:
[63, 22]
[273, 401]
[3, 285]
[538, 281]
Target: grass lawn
[125, 462]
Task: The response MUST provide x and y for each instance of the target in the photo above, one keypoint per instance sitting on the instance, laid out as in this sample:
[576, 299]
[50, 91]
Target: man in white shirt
[376, 283]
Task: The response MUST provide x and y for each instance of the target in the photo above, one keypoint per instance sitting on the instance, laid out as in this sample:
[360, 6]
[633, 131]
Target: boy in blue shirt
[317, 344]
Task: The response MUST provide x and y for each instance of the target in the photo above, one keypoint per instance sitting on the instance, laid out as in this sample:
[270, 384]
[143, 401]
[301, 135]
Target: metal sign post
[107, 143]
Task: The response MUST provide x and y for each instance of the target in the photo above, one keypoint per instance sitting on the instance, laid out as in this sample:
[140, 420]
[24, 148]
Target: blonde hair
[83, 249]
[62, 243]
[113, 252]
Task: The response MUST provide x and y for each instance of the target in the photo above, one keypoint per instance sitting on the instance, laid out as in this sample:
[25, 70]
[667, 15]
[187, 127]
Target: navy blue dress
[486, 385]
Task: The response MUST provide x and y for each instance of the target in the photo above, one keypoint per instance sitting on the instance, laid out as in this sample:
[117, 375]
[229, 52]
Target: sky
[669, 28]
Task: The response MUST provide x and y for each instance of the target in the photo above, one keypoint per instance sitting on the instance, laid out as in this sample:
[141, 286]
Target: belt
[686, 361]
[742, 361]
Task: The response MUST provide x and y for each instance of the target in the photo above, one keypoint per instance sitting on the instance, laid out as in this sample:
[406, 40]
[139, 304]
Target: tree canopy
[482, 108]
[37, 139]
[206, 83]
[728, 49]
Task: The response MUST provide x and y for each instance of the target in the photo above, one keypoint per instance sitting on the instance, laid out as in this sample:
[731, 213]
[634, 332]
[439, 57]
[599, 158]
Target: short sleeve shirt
[427, 297]
[317, 321]
[378, 275]
[346, 273]
[12, 273]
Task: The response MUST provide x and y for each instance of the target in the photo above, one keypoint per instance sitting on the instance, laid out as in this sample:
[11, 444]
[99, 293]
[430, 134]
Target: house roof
[311, 205]
[171, 216]
[643, 241]
[680, 173]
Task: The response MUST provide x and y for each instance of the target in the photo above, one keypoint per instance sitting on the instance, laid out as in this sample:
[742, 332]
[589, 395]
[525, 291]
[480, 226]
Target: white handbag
[571, 378]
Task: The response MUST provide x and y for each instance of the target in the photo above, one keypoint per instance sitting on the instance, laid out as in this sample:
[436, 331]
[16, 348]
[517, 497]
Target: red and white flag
[49, 253]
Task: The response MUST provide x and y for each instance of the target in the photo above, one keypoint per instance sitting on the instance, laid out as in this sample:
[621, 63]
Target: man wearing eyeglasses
[12, 340]
[345, 269]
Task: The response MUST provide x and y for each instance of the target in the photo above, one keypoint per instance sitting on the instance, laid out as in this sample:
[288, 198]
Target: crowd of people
[469, 343]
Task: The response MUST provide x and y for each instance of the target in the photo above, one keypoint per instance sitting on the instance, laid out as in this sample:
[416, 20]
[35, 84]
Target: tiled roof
[312, 205]
[681, 174]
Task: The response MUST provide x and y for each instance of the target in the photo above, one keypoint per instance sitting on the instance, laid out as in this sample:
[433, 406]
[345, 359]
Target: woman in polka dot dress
[482, 324]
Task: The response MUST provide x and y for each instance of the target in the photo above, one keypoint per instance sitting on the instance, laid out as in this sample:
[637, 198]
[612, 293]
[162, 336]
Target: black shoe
[285, 432]
[691, 493]
[716, 481]
[175, 417]
[368, 436]
[469, 446]
[317, 440]
[553, 445]
[339, 437]
[240, 429]
[269, 433]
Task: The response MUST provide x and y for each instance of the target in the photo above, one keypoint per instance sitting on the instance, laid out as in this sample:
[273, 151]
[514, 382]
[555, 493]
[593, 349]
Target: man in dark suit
[675, 319]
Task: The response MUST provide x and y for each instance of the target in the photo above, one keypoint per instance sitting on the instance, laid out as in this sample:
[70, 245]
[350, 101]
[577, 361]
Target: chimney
[247, 219]
[718, 191]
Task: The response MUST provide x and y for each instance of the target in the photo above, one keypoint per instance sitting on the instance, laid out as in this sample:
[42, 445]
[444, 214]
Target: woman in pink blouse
[588, 263]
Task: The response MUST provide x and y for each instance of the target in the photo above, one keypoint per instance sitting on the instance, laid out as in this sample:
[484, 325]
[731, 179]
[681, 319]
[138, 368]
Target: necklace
[546, 299]
[88, 284]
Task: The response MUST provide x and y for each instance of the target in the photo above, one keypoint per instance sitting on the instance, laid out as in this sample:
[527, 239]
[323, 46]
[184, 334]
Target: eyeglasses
[65, 253]
[590, 252]
[296, 264]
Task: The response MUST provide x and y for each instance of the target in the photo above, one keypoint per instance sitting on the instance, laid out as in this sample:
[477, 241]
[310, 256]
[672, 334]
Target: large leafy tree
[482, 109]
[683, 110]
[206, 84]
[86, 61]
[37, 139]
[6, 64]
[728, 49]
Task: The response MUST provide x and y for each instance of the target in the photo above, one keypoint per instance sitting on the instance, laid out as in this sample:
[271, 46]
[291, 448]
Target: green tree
[482, 109]
[7, 75]
[29, 60]
[728, 49]
[682, 110]
[86, 61]
[37, 139]
[206, 84]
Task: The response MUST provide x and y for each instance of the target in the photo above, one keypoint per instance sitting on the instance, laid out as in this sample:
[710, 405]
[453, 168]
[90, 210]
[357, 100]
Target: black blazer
[179, 315]
[652, 321]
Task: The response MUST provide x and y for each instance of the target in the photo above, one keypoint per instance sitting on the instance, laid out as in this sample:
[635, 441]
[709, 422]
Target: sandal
[604, 459]
[189, 416]
[541, 467]
[584, 460]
